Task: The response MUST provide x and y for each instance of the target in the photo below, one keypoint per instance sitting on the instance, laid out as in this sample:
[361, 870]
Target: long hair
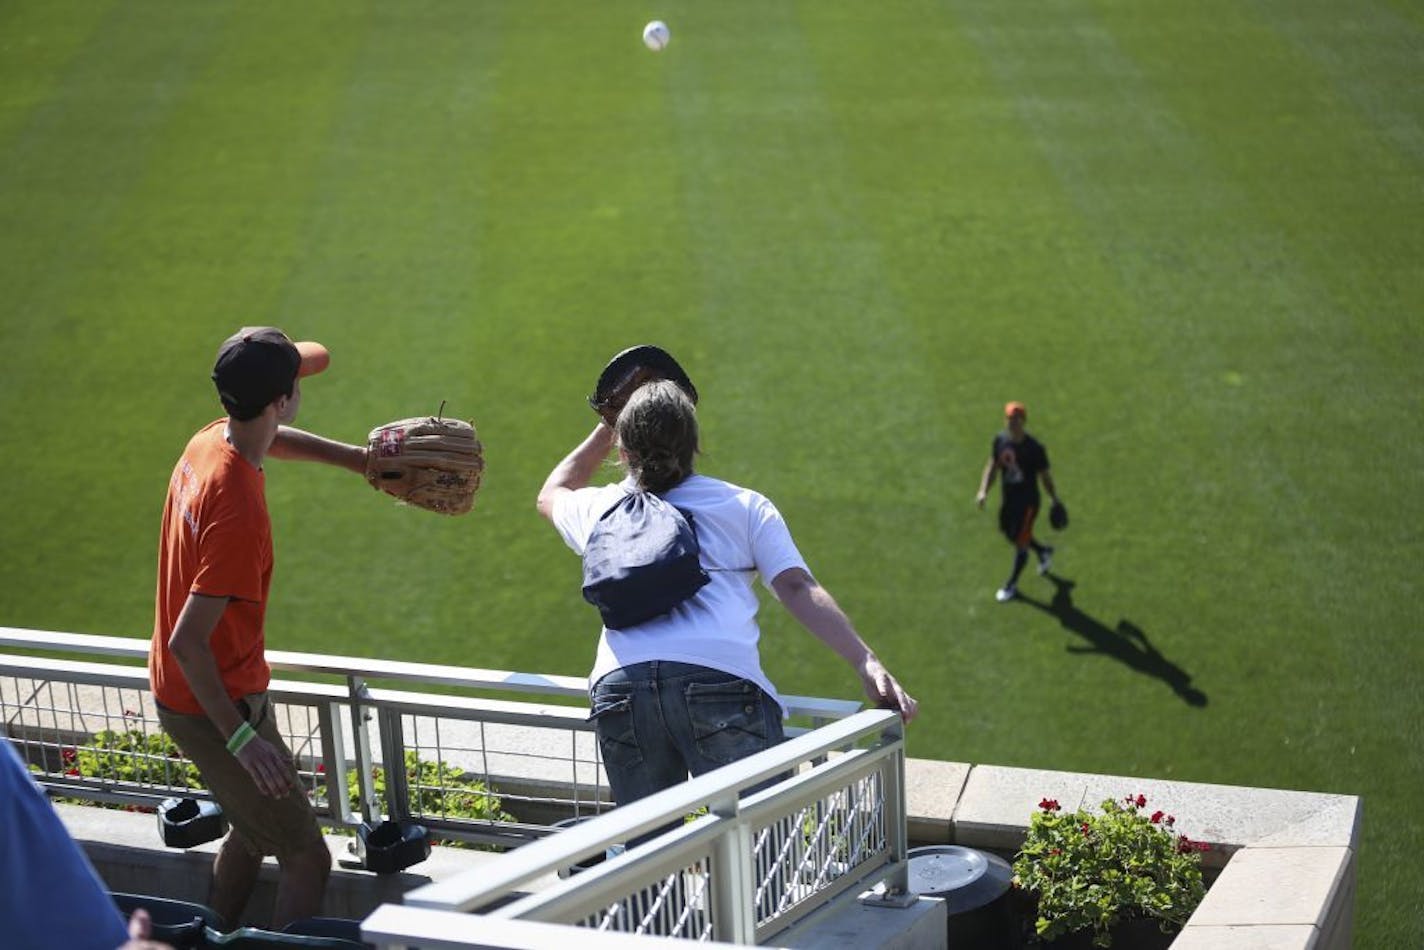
[658, 432]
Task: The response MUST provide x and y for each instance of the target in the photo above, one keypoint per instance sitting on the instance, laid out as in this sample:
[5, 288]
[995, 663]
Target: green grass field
[1188, 234]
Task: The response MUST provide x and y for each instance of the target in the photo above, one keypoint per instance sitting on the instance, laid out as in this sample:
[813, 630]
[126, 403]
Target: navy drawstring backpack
[641, 560]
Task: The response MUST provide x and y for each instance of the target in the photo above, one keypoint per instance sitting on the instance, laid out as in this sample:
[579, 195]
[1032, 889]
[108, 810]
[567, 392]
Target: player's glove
[631, 369]
[1058, 515]
[429, 462]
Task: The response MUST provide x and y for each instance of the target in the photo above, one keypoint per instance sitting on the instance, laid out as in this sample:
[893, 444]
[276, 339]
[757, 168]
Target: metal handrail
[345, 711]
[818, 709]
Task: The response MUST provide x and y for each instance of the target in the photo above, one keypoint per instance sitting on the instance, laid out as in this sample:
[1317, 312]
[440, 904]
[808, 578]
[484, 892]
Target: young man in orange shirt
[207, 664]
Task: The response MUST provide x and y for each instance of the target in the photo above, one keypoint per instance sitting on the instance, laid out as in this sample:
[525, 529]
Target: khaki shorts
[283, 826]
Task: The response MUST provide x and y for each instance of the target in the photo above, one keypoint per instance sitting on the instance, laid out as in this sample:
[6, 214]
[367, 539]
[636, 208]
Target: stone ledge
[1286, 937]
[931, 790]
[1277, 886]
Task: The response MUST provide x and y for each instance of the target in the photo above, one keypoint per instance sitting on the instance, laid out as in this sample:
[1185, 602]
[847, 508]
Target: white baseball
[656, 35]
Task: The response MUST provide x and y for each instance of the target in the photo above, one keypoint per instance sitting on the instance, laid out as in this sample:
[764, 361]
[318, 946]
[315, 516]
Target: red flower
[1141, 801]
[1049, 804]
[1186, 845]
[67, 755]
[1086, 829]
[1157, 817]
[1171, 820]
[320, 768]
[71, 771]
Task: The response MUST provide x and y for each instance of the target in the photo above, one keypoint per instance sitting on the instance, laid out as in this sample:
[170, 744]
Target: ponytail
[658, 432]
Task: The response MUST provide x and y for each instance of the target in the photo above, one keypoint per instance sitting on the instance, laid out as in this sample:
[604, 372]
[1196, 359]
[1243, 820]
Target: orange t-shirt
[216, 540]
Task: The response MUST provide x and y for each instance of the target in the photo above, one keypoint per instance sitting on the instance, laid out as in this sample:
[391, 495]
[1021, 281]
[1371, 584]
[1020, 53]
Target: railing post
[365, 781]
[734, 887]
[897, 882]
[393, 752]
[333, 760]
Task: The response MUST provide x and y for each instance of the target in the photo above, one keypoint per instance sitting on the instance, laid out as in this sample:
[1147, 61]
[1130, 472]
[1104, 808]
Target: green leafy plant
[825, 831]
[436, 789]
[131, 756]
[153, 758]
[1090, 871]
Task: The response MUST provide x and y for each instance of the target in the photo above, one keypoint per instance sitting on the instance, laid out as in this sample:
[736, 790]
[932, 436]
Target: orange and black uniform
[1019, 464]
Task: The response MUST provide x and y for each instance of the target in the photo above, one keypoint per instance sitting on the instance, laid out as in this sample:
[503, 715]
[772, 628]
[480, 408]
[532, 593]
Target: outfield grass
[1187, 234]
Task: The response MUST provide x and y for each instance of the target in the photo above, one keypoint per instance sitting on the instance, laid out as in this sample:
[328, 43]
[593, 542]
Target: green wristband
[241, 737]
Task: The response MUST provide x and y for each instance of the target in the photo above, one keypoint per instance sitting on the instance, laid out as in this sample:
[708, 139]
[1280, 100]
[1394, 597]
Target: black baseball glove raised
[631, 369]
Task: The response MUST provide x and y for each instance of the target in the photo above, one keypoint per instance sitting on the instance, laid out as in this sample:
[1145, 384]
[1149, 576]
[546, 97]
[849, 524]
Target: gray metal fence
[348, 734]
[752, 867]
[748, 868]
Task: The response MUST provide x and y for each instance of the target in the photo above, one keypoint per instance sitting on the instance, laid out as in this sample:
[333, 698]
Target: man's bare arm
[298, 445]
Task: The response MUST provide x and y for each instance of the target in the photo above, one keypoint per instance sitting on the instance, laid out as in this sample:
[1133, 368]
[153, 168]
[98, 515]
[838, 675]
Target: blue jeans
[658, 721]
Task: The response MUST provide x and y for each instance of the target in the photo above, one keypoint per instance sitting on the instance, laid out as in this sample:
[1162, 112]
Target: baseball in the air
[656, 35]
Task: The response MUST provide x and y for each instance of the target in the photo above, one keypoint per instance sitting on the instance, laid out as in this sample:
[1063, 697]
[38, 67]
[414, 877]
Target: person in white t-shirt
[684, 692]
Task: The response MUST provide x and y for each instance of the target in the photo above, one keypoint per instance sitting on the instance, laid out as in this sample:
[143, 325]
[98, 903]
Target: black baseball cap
[257, 364]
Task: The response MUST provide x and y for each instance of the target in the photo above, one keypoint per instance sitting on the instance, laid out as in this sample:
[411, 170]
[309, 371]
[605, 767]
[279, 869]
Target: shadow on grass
[1128, 643]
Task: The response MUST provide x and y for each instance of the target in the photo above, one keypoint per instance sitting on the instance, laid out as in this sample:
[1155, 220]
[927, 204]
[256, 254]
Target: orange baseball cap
[1015, 409]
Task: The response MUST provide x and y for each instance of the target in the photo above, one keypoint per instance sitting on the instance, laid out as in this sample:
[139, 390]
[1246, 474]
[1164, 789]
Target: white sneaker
[1006, 594]
[1045, 561]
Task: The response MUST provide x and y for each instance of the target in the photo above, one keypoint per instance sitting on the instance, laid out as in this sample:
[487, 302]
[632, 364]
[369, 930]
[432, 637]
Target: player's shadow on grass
[1128, 643]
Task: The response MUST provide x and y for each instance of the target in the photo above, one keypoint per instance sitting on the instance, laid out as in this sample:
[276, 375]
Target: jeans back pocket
[611, 713]
[728, 719]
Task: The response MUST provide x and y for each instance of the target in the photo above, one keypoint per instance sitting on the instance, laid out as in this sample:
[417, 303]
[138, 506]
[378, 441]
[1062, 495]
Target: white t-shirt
[741, 535]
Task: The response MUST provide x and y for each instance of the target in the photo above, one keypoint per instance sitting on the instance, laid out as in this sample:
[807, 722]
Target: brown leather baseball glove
[428, 462]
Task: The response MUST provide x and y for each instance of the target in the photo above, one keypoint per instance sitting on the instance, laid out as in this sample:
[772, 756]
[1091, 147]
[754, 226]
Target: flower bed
[1093, 875]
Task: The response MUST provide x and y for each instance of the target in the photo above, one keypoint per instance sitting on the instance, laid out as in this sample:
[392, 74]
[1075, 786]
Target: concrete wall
[1285, 860]
[127, 851]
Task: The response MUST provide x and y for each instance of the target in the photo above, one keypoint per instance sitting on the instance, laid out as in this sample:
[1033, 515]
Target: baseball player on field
[1021, 461]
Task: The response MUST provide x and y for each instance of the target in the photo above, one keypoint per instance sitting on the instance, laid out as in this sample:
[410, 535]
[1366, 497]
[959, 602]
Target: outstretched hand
[885, 691]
